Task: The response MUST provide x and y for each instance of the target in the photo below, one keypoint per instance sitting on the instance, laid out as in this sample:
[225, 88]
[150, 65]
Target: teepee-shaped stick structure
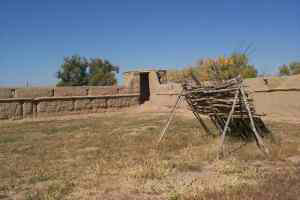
[228, 106]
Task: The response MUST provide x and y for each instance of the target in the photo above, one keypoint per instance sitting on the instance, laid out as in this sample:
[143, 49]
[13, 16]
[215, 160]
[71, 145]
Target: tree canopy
[226, 68]
[101, 72]
[291, 69]
[79, 71]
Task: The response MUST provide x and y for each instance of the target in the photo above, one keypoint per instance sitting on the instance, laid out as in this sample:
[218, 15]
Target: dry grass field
[115, 156]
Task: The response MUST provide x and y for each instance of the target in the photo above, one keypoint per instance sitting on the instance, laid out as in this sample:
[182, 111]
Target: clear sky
[35, 35]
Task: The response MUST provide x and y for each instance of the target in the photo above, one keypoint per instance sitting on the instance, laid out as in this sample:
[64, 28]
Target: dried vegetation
[115, 156]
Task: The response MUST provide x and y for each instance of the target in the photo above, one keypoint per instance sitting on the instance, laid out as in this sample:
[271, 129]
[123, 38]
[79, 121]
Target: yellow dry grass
[115, 156]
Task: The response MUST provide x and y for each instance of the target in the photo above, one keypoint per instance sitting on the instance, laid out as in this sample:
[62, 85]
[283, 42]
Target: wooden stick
[212, 91]
[217, 125]
[171, 116]
[258, 138]
[202, 123]
[198, 116]
[228, 120]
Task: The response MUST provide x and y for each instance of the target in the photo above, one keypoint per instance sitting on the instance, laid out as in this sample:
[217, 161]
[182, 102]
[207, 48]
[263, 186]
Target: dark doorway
[144, 87]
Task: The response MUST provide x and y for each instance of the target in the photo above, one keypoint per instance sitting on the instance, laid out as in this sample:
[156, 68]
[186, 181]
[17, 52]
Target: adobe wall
[165, 95]
[19, 103]
[279, 98]
[132, 80]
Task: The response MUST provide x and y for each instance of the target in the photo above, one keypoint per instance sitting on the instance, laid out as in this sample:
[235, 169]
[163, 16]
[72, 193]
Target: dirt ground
[116, 156]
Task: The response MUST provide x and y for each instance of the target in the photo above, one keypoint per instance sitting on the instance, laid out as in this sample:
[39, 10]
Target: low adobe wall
[279, 98]
[18, 103]
[165, 95]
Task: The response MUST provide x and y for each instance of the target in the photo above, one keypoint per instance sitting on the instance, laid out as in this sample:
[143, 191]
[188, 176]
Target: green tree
[284, 70]
[291, 69]
[78, 71]
[239, 65]
[294, 67]
[73, 72]
[102, 72]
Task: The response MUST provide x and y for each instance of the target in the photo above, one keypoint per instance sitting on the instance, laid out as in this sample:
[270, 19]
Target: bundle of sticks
[216, 101]
[228, 106]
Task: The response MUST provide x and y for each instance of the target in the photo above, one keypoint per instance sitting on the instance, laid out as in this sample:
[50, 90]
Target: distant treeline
[292, 68]
[226, 68]
[80, 71]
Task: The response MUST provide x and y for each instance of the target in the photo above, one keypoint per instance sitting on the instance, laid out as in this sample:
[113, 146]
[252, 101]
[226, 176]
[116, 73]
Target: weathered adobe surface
[6, 93]
[18, 103]
[33, 92]
[10, 110]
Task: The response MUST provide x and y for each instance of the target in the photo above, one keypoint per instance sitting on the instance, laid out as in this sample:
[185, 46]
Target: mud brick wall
[10, 110]
[165, 95]
[33, 92]
[71, 91]
[19, 103]
[6, 93]
[279, 98]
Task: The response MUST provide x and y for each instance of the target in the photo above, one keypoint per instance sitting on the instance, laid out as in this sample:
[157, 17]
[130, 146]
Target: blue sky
[35, 35]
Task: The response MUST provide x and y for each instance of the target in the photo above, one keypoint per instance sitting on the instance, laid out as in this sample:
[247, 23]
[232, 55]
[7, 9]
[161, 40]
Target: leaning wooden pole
[198, 117]
[259, 140]
[228, 121]
[171, 116]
